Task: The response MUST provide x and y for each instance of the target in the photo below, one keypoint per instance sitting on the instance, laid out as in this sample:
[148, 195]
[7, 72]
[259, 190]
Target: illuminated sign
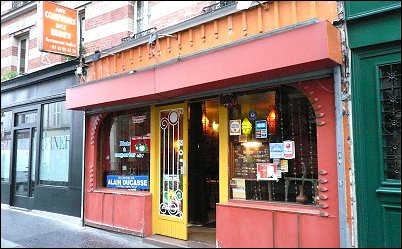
[58, 32]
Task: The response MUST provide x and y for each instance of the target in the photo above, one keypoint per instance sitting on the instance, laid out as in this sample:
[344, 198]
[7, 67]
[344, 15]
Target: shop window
[6, 124]
[124, 150]
[273, 147]
[55, 144]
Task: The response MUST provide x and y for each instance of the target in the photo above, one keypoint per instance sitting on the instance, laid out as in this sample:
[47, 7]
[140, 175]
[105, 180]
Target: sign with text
[58, 32]
[127, 182]
[276, 150]
[140, 144]
[235, 127]
[261, 129]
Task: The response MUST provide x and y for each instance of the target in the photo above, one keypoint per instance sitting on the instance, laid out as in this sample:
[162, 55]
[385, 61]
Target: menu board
[247, 158]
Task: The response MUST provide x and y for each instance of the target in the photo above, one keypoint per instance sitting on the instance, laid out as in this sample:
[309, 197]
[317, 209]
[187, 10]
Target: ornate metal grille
[171, 149]
[390, 79]
[217, 6]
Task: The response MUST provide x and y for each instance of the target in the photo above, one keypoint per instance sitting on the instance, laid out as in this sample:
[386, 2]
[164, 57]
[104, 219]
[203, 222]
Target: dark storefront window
[273, 147]
[124, 150]
[6, 124]
[55, 146]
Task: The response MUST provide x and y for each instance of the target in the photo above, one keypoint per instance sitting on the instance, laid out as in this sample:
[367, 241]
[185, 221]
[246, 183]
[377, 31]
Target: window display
[274, 155]
[124, 150]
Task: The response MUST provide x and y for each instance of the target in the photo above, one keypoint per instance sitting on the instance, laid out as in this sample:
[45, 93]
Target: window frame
[145, 18]
[19, 41]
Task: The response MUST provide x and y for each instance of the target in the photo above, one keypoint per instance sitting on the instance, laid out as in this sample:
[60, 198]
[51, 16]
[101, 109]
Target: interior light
[272, 120]
[252, 144]
[246, 126]
[215, 126]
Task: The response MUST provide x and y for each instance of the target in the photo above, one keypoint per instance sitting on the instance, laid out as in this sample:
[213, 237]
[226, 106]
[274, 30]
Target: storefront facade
[241, 121]
[39, 168]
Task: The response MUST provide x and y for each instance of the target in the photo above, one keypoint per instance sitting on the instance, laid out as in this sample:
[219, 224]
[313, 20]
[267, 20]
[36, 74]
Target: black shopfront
[41, 142]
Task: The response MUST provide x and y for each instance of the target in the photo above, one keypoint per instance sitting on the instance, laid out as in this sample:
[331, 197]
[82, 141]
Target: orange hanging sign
[58, 32]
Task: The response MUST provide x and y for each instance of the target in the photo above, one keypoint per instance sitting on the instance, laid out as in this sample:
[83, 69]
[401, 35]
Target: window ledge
[122, 192]
[270, 206]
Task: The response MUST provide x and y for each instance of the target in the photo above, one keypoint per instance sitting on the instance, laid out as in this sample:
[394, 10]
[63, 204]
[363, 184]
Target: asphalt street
[27, 229]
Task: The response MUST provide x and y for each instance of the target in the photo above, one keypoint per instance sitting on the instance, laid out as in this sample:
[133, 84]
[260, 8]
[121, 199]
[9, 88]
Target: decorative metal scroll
[391, 119]
[171, 162]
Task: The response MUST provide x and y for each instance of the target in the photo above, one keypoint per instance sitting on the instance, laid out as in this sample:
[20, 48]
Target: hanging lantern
[271, 120]
[246, 126]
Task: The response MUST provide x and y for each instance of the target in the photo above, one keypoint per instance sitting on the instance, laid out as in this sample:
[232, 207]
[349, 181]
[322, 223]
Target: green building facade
[374, 39]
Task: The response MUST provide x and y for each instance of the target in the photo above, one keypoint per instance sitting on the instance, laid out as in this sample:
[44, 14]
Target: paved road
[25, 229]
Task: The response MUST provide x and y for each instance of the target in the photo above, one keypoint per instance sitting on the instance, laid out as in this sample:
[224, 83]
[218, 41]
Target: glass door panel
[172, 215]
[22, 162]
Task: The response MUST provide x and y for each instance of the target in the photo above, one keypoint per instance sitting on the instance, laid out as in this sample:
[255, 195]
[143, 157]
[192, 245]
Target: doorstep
[162, 241]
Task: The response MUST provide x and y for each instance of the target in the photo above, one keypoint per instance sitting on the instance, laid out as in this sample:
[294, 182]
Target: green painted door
[376, 98]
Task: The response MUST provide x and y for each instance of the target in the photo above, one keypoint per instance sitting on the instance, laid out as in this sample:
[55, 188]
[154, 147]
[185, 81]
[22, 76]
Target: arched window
[124, 150]
[275, 149]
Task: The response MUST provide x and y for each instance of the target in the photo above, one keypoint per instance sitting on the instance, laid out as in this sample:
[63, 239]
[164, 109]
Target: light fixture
[154, 36]
[272, 120]
[246, 126]
[215, 126]
[252, 144]
[97, 55]
[205, 120]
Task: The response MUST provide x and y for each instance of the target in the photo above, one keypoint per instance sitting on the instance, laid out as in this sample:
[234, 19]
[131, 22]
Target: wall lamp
[97, 55]
[243, 5]
[154, 36]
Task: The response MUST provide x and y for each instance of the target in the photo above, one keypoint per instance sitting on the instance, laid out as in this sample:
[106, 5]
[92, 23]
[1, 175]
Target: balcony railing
[139, 34]
[17, 4]
[216, 6]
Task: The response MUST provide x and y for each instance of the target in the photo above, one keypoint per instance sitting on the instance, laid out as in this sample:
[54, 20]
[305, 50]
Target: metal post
[343, 231]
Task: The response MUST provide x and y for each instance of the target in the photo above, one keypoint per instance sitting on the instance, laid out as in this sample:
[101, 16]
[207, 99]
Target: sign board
[261, 129]
[140, 144]
[276, 150]
[235, 127]
[127, 182]
[58, 29]
[266, 171]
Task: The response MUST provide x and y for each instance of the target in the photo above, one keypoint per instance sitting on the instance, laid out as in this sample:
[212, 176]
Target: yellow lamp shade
[246, 126]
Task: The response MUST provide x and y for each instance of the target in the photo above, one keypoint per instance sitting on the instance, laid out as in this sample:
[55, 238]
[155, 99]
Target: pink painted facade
[239, 223]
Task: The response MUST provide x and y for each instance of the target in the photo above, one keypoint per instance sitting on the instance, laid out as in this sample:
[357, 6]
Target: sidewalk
[31, 228]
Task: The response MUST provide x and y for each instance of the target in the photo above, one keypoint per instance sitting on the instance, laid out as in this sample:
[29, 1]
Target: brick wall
[106, 22]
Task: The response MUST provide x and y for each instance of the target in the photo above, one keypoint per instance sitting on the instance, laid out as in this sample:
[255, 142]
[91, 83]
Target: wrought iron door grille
[390, 79]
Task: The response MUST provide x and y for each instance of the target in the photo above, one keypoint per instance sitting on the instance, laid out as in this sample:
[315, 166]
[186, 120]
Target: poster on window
[276, 150]
[261, 129]
[288, 149]
[235, 127]
[140, 144]
[266, 172]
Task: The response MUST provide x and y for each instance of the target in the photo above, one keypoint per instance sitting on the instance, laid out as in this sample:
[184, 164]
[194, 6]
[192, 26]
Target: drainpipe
[343, 230]
[342, 106]
[83, 169]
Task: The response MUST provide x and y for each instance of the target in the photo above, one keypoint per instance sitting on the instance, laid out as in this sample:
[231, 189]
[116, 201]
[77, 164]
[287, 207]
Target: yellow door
[170, 176]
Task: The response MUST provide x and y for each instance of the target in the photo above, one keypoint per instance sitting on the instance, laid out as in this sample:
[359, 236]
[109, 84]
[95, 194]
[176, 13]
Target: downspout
[339, 79]
[343, 229]
[83, 170]
[342, 104]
